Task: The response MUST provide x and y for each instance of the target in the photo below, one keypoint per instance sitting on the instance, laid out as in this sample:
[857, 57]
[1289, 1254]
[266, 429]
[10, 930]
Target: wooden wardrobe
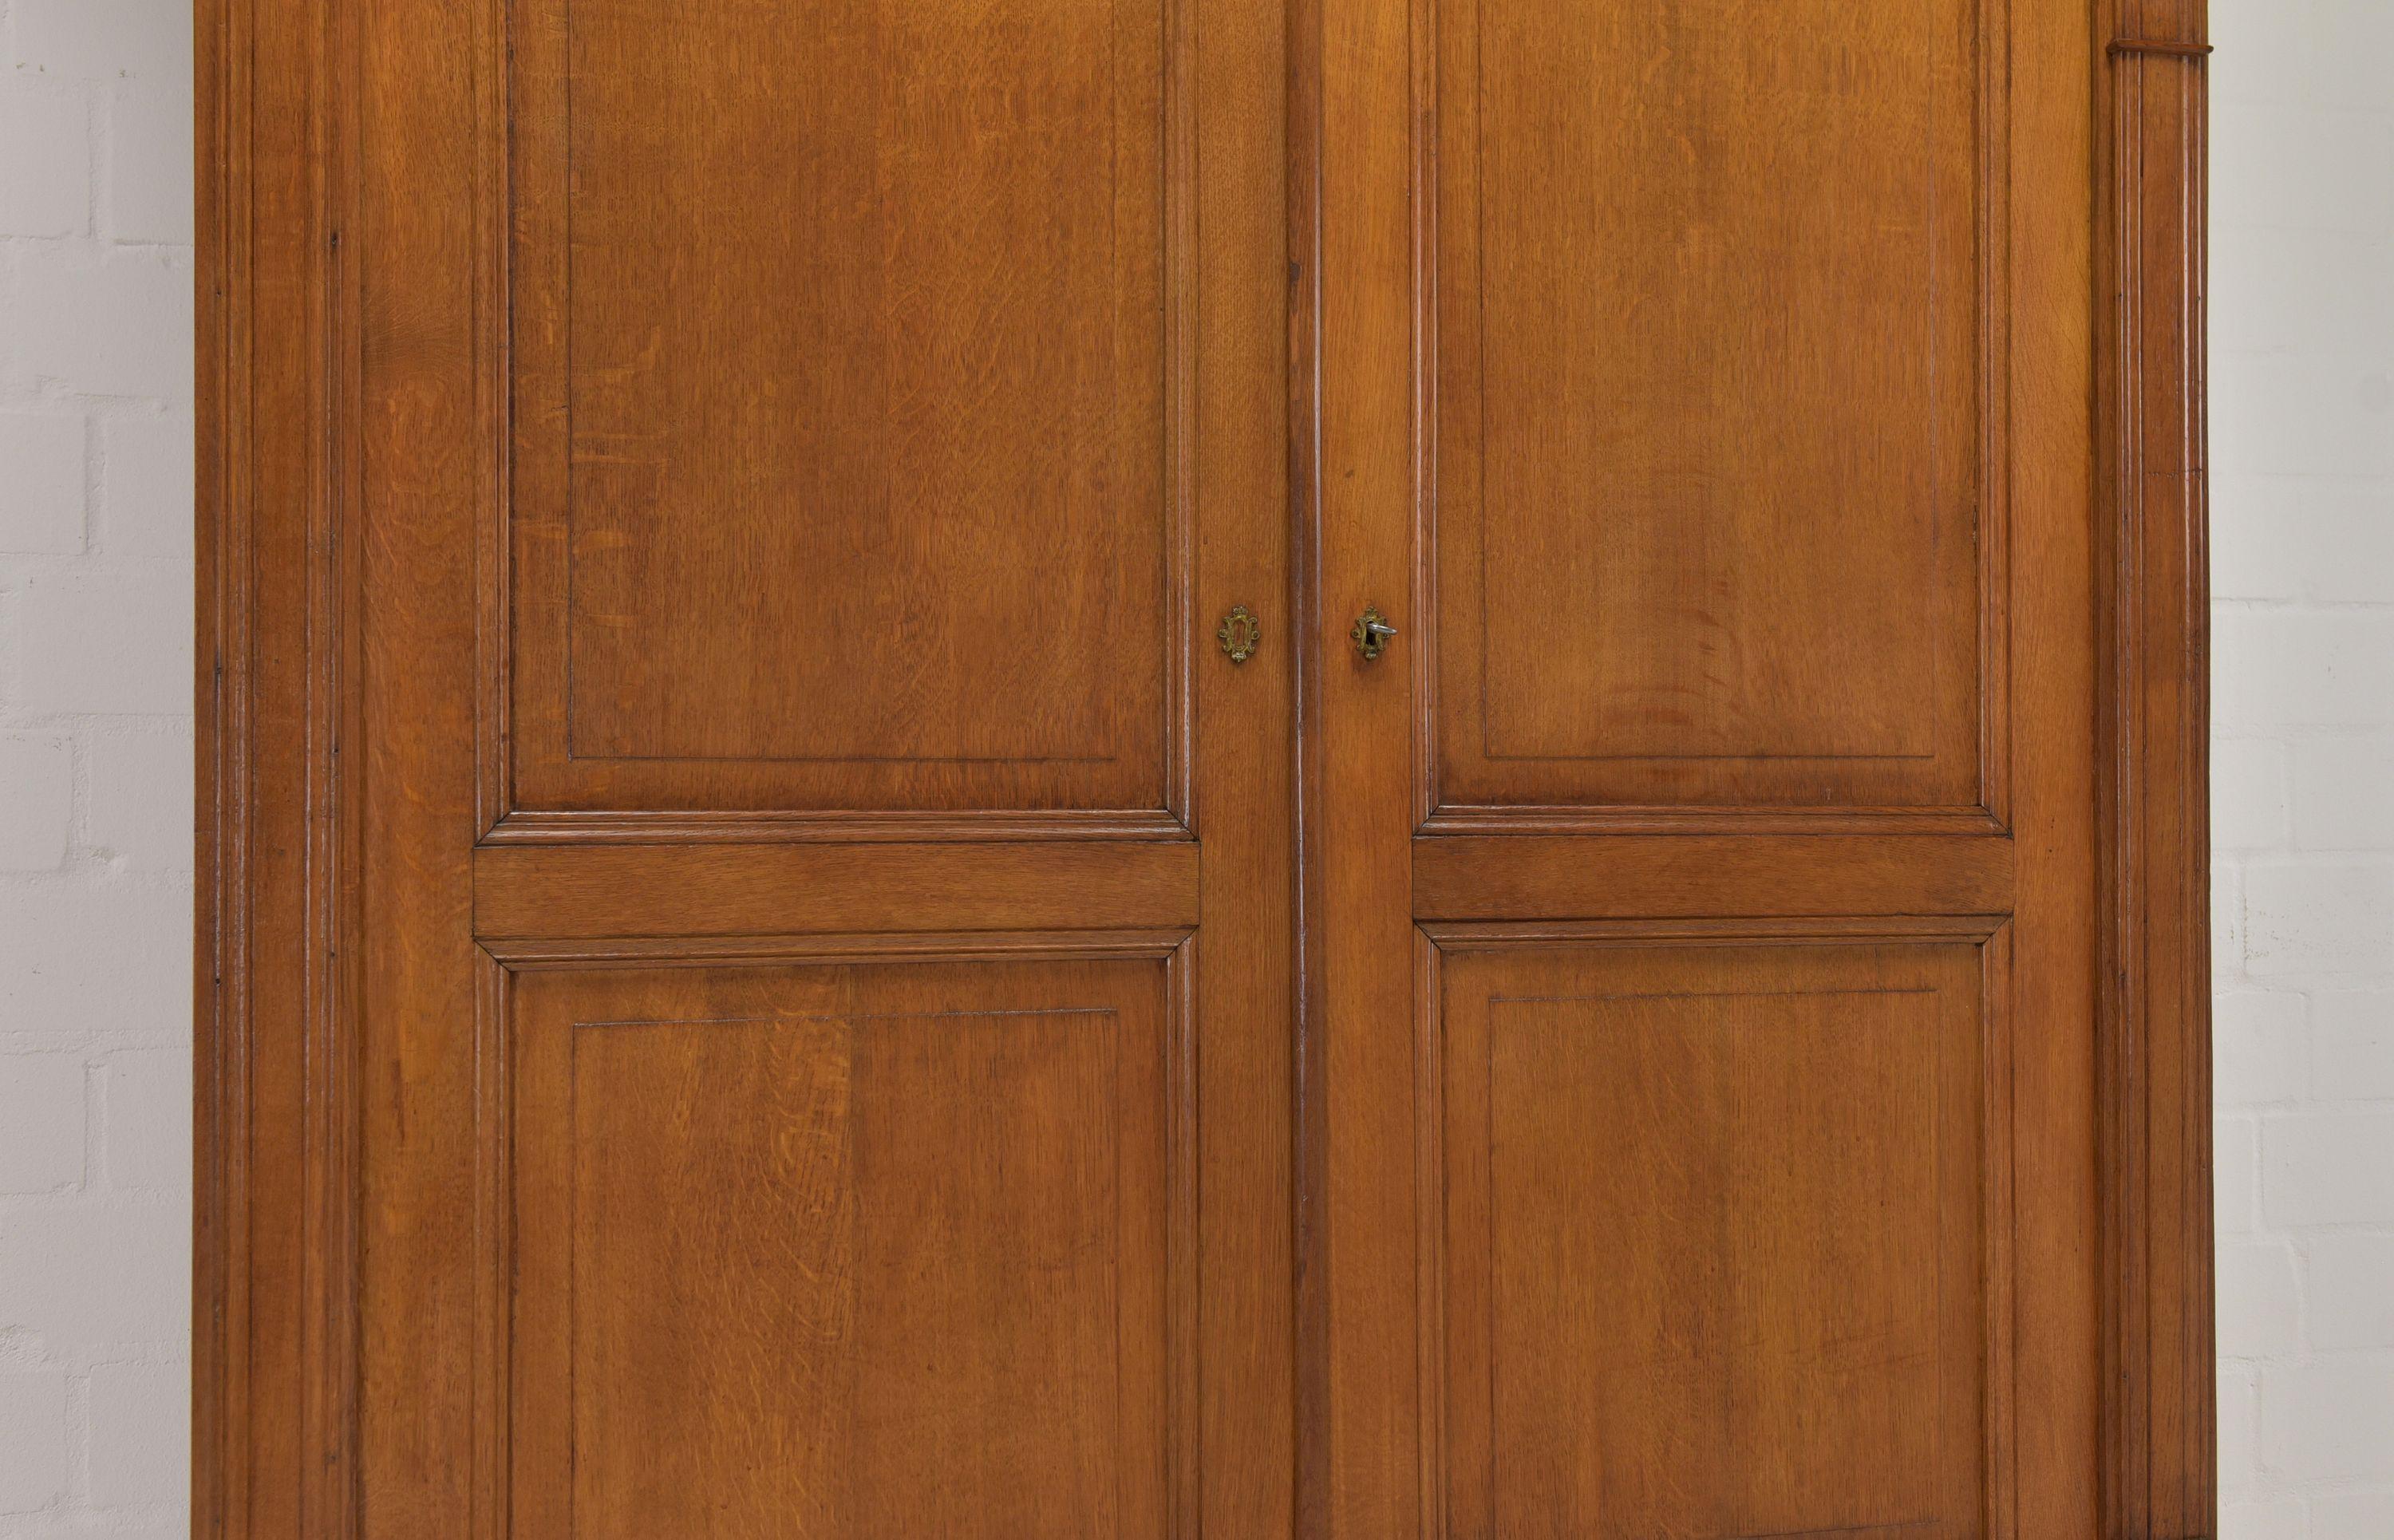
[1139, 769]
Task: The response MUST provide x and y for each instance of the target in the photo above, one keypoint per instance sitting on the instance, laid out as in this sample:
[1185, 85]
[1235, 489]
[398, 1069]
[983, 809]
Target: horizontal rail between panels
[1640, 876]
[534, 892]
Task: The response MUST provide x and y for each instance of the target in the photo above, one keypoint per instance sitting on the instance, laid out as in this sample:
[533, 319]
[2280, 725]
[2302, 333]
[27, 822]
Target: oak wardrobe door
[814, 890]
[1133, 769]
[1712, 610]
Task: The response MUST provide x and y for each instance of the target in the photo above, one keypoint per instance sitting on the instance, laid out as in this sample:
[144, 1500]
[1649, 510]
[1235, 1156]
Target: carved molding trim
[276, 1162]
[2160, 1415]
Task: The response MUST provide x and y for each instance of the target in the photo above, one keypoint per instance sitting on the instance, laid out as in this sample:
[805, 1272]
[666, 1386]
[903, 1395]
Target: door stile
[1311, 1365]
[1369, 1471]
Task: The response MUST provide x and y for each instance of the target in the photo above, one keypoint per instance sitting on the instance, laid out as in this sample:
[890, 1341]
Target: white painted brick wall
[95, 754]
[2302, 311]
[94, 765]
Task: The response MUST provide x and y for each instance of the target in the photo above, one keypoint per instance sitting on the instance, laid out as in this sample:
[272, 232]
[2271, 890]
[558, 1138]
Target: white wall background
[95, 764]
[2302, 314]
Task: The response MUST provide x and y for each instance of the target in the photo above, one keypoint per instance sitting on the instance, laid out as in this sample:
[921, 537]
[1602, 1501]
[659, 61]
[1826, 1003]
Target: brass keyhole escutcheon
[1241, 633]
[1372, 634]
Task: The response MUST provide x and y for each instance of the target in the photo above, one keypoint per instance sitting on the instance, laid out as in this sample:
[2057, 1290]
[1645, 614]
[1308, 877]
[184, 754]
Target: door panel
[847, 1249]
[1715, 319]
[843, 470]
[823, 917]
[1741, 418]
[1713, 1236]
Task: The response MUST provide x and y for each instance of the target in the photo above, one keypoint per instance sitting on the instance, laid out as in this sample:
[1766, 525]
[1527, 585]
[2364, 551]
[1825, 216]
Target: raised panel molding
[1922, 1006]
[1654, 664]
[791, 604]
[832, 1038]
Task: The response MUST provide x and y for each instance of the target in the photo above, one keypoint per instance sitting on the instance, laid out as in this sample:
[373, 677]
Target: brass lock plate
[1371, 632]
[1239, 634]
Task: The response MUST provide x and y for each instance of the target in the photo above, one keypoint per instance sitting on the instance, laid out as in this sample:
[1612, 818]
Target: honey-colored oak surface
[1707, 402]
[1711, 405]
[795, 921]
[845, 1250]
[1709, 1228]
[2161, 1425]
[1533, 877]
[849, 385]
[761, 975]
[692, 890]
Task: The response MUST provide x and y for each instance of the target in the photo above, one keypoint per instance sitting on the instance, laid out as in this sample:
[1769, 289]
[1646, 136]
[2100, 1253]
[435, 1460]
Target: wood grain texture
[274, 1377]
[1524, 877]
[1719, 499]
[2161, 1418]
[354, 285]
[732, 889]
[878, 1250]
[2008, 858]
[1714, 1234]
[2056, 1388]
[418, 89]
[351, 1363]
[1368, 1427]
[1238, 1475]
[1312, 1363]
[855, 475]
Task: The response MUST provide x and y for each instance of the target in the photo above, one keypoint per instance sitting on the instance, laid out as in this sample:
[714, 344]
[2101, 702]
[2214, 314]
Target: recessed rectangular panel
[1711, 406]
[865, 1251]
[840, 379]
[1714, 1242]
